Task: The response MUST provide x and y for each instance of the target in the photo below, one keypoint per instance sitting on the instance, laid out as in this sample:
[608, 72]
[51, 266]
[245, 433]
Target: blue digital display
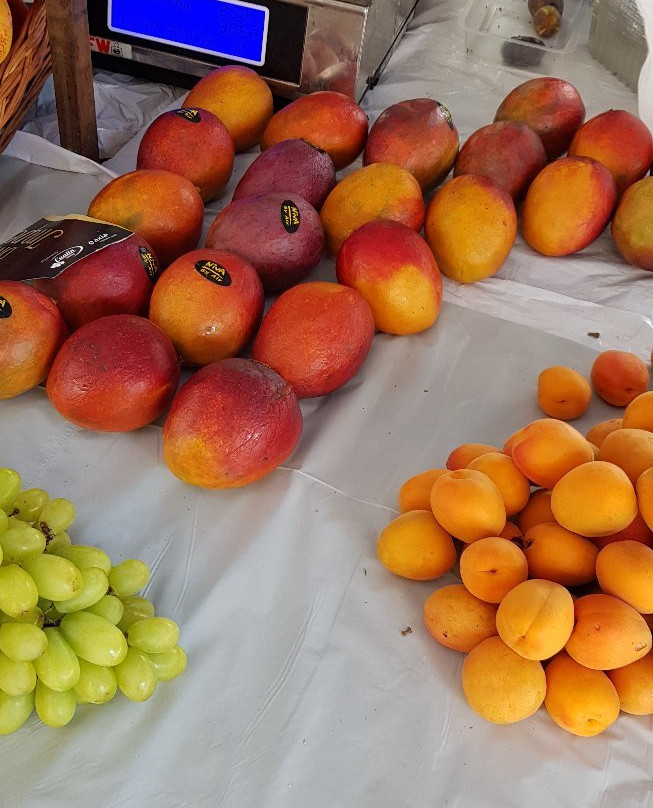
[229, 28]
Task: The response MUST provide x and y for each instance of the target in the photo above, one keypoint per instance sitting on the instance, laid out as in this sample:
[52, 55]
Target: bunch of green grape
[73, 629]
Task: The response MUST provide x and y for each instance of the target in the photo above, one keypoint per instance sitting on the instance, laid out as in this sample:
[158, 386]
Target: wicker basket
[23, 72]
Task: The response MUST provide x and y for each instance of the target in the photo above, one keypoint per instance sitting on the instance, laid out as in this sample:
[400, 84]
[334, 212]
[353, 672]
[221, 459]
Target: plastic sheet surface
[311, 679]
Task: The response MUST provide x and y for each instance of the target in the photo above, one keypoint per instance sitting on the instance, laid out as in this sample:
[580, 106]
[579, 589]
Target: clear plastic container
[492, 25]
[617, 38]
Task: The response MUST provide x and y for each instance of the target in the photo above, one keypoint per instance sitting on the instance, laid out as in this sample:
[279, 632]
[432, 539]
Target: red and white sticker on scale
[110, 46]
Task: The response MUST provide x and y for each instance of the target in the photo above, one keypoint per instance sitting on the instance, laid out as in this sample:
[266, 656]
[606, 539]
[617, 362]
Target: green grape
[94, 639]
[14, 711]
[135, 608]
[57, 515]
[97, 684]
[55, 577]
[153, 634]
[21, 542]
[1, 550]
[169, 663]
[84, 556]
[128, 577]
[57, 543]
[4, 521]
[58, 666]
[110, 607]
[16, 678]
[55, 708]
[29, 504]
[34, 616]
[136, 675]
[23, 642]
[10, 487]
[18, 592]
[94, 586]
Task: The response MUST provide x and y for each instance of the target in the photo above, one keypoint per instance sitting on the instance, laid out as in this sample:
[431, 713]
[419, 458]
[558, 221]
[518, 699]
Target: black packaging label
[289, 216]
[5, 308]
[213, 272]
[189, 114]
[149, 262]
[47, 247]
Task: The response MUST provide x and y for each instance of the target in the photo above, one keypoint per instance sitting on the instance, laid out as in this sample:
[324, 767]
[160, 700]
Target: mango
[632, 224]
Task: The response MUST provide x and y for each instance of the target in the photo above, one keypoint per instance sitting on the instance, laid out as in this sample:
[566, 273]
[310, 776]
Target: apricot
[471, 225]
[419, 135]
[630, 449]
[535, 618]
[639, 413]
[500, 685]
[546, 449]
[598, 432]
[508, 152]
[163, 208]
[240, 98]
[415, 546]
[468, 505]
[556, 554]
[536, 510]
[415, 492]
[258, 428]
[608, 633]
[634, 685]
[645, 497]
[552, 107]
[563, 392]
[620, 141]
[568, 205]
[491, 567]
[582, 701]
[637, 530]
[330, 120]
[462, 456]
[618, 377]
[317, 336]
[377, 191]
[31, 332]
[210, 304]
[512, 484]
[511, 531]
[457, 619]
[392, 267]
[594, 499]
[625, 569]
[631, 230]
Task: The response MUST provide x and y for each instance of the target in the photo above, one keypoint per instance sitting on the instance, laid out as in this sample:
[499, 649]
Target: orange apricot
[512, 484]
[563, 392]
[630, 449]
[557, 554]
[625, 569]
[415, 492]
[535, 618]
[468, 505]
[634, 685]
[580, 700]
[415, 546]
[510, 531]
[594, 499]
[547, 449]
[462, 456]
[637, 530]
[645, 497]
[536, 510]
[500, 685]
[607, 633]
[618, 377]
[639, 413]
[598, 433]
[457, 619]
[491, 567]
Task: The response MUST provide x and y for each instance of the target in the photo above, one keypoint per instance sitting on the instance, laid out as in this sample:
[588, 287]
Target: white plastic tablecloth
[304, 686]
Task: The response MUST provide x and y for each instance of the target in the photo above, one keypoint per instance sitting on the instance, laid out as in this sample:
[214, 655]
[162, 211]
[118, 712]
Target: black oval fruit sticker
[189, 114]
[213, 272]
[5, 308]
[149, 262]
[289, 216]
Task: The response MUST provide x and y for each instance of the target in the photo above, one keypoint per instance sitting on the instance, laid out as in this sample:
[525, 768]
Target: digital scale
[296, 46]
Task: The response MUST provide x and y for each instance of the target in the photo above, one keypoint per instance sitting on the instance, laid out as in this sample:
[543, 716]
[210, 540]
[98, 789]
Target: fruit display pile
[73, 628]
[552, 535]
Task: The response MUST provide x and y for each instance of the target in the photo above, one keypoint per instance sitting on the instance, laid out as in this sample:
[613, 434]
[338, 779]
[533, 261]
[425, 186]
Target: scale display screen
[228, 28]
